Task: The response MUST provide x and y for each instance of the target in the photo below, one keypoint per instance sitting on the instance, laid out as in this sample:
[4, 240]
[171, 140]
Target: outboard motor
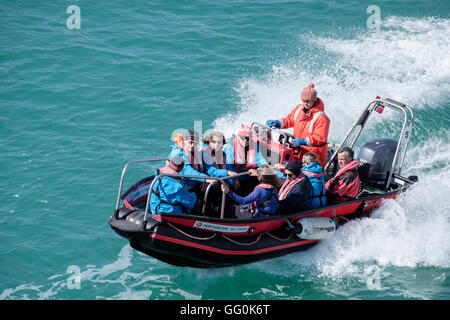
[375, 158]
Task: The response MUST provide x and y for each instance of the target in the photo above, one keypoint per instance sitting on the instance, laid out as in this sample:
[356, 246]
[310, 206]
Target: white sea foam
[411, 231]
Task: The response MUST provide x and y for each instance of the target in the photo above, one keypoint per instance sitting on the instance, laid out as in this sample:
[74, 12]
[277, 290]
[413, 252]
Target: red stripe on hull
[229, 252]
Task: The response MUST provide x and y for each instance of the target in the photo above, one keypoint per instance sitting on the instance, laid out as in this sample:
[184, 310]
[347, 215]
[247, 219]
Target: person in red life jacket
[311, 125]
[294, 193]
[169, 193]
[243, 151]
[345, 185]
[263, 200]
[243, 155]
[214, 157]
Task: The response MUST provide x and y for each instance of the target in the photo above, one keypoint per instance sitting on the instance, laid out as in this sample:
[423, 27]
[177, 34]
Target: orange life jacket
[245, 157]
[313, 126]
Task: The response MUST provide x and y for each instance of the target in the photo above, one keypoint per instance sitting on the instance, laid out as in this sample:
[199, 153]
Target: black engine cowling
[375, 158]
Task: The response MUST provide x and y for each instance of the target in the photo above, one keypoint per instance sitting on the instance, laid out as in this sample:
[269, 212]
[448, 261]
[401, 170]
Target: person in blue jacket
[169, 195]
[263, 201]
[313, 170]
[197, 163]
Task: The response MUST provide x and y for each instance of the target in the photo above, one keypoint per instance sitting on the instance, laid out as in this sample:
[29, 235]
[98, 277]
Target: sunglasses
[289, 175]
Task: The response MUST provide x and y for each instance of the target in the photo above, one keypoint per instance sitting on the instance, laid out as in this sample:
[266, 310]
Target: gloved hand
[299, 142]
[273, 123]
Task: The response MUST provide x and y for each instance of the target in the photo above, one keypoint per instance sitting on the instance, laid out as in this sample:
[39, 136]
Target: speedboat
[205, 240]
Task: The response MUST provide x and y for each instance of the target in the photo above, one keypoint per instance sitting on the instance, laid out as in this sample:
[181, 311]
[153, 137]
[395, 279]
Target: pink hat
[309, 93]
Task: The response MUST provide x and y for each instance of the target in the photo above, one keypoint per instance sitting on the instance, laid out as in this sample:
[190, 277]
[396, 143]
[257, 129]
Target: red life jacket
[245, 160]
[346, 182]
[213, 158]
[168, 170]
[195, 160]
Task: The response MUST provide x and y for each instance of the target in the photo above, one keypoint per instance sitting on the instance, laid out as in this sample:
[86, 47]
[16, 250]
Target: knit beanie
[309, 93]
[176, 163]
[294, 166]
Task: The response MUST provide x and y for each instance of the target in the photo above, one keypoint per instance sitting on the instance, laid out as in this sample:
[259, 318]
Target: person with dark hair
[294, 193]
[169, 193]
[345, 185]
[263, 201]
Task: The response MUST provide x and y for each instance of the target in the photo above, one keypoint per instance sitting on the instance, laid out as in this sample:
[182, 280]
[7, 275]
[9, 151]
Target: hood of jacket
[313, 167]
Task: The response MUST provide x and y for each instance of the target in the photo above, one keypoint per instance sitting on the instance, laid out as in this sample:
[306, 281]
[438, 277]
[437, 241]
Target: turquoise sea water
[77, 104]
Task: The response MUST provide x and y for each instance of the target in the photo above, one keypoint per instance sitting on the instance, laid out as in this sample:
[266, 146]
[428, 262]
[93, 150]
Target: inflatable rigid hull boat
[201, 240]
[197, 241]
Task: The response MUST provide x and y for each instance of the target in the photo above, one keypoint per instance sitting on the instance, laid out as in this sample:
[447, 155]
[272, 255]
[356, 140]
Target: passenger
[178, 144]
[345, 185]
[213, 154]
[313, 170]
[310, 123]
[196, 162]
[243, 152]
[169, 193]
[213, 144]
[263, 200]
[294, 193]
[178, 139]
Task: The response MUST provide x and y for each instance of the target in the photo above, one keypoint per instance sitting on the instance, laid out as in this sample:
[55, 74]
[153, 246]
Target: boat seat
[368, 190]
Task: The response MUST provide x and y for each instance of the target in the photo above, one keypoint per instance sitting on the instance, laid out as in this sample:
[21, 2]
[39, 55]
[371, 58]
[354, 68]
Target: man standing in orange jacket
[310, 123]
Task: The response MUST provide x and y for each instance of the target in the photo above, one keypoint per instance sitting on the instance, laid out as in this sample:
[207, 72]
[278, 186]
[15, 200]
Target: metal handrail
[361, 121]
[209, 188]
[221, 181]
[125, 168]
